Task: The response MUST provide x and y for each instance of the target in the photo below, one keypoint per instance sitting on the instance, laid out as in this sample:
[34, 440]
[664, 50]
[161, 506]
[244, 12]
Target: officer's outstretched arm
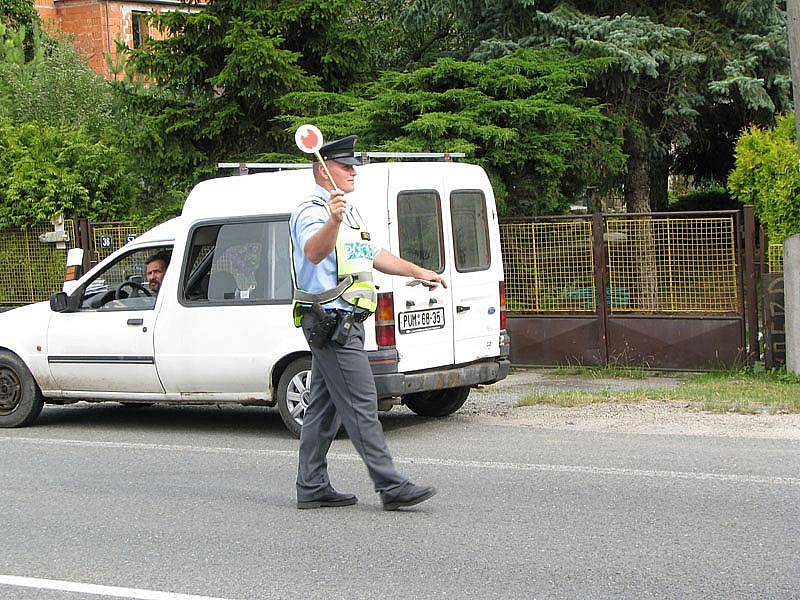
[388, 263]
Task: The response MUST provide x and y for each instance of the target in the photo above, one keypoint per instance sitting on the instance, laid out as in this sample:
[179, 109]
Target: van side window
[123, 284]
[238, 263]
[419, 224]
[470, 230]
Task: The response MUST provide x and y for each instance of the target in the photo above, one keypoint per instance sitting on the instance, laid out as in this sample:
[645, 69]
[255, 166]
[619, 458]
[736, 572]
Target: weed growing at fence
[746, 391]
[602, 372]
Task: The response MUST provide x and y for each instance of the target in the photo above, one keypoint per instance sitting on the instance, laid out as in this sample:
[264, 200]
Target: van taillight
[384, 320]
[502, 305]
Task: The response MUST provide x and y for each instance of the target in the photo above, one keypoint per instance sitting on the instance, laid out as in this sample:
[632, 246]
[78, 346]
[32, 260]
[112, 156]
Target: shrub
[54, 85]
[46, 170]
[707, 198]
[767, 175]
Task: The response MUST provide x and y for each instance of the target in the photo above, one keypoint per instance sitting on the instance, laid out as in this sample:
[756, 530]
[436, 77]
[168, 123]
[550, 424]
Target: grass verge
[602, 372]
[737, 391]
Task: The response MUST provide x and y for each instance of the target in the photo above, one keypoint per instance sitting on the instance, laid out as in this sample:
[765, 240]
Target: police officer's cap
[341, 150]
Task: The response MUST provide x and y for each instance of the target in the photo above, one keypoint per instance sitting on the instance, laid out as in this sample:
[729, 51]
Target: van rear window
[419, 216]
[470, 230]
[239, 263]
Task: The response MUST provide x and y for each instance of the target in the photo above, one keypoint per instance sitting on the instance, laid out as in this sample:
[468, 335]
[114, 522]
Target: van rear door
[423, 317]
[475, 276]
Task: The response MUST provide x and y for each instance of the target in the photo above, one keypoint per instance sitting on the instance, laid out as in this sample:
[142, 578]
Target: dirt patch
[655, 418]
[498, 403]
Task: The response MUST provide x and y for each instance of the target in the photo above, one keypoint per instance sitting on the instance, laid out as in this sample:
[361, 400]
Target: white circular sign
[308, 138]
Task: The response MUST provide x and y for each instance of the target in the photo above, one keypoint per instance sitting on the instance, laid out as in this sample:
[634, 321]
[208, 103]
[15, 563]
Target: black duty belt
[358, 315]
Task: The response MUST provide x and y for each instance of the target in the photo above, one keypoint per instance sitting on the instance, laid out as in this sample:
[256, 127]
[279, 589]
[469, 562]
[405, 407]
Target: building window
[139, 28]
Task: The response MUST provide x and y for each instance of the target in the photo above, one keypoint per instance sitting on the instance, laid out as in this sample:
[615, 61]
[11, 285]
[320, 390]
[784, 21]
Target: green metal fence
[31, 270]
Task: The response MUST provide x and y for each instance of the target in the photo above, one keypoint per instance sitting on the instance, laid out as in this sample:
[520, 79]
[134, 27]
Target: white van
[220, 329]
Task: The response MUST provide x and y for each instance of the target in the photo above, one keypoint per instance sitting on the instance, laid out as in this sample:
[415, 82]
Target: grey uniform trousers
[342, 392]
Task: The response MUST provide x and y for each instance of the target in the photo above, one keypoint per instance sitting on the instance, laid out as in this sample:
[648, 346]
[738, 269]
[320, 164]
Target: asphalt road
[200, 501]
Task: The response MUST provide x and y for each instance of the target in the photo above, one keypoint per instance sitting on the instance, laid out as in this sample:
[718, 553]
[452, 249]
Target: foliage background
[550, 96]
[59, 147]
[767, 176]
[524, 117]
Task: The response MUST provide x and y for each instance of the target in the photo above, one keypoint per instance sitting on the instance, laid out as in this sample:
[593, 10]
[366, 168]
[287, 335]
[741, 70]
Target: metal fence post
[600, 267]
[751, 308]
[84, 242]
[791, 288]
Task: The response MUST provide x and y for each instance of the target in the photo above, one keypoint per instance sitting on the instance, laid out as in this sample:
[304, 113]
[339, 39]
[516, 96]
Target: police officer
[332, 259]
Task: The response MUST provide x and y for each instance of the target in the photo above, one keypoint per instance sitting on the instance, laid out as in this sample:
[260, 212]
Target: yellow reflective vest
[353, 269]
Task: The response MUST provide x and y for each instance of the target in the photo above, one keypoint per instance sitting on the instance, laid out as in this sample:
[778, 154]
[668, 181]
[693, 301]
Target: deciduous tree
[59, 152]
[47, 170]
[766, 175]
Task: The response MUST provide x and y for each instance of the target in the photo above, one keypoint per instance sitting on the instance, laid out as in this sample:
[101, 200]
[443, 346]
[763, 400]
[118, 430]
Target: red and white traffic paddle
[309, 139]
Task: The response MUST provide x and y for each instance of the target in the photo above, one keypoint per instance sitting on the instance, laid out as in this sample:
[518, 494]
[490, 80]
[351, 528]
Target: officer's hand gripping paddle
[309, 139]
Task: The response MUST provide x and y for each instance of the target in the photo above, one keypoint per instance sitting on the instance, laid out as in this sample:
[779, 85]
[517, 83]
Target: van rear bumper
[391, 385]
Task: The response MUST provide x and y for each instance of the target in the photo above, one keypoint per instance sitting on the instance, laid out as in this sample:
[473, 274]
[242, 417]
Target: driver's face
[155, 274]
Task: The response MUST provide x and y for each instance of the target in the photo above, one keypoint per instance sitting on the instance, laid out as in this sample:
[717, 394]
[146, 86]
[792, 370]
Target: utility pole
[793, 17]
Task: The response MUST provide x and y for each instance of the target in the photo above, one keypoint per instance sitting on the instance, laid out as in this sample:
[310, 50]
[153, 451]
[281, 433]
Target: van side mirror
[59, 302]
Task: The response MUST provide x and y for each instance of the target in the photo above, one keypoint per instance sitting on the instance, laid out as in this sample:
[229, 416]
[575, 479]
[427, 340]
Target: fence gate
[104, 238]
[655, 290]
[32, 270]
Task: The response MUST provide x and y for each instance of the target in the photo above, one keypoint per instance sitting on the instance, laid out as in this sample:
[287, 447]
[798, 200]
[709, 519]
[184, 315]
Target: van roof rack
[366, 157]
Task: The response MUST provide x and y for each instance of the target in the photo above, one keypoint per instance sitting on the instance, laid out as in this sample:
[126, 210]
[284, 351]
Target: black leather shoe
[328, 500]
[412, 494]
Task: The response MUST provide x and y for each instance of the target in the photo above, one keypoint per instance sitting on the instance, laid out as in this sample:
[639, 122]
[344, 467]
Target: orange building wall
[95, 25]
[47, 10]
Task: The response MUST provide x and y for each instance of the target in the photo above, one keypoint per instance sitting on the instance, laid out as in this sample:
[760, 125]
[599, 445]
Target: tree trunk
[659, 182]
[641, 239]
[637, 179]
[593, 201]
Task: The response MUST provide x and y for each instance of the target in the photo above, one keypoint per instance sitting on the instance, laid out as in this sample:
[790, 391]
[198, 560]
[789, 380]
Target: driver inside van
[156, 267]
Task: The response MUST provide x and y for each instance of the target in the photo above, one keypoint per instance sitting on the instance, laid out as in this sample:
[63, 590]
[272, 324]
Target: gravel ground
[498, 403]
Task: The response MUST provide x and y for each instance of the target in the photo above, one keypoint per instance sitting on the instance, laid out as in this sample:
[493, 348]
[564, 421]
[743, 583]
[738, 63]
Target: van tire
[437, 403]
[292, 390]
[21, 400]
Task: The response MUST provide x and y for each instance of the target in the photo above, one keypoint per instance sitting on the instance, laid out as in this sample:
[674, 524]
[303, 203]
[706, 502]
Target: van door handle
[135, 321]
[409, 303]
[460, 309]
[433, 301]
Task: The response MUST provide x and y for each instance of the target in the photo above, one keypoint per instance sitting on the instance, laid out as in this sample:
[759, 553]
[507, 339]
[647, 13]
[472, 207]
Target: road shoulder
[498, 404]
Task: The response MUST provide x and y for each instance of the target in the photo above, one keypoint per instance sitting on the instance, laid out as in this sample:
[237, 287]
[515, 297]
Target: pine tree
[207, 92]
[525, 117]
[680, 67]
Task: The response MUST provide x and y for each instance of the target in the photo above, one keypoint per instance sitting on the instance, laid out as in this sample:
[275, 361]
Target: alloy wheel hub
[9, 390]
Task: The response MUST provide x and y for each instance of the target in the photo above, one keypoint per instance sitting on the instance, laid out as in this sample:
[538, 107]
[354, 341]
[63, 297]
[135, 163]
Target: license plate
[421, 320]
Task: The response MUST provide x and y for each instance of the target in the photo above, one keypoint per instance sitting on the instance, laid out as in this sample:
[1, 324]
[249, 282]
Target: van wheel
[20, 398]
[437, 403]
[294, 394]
